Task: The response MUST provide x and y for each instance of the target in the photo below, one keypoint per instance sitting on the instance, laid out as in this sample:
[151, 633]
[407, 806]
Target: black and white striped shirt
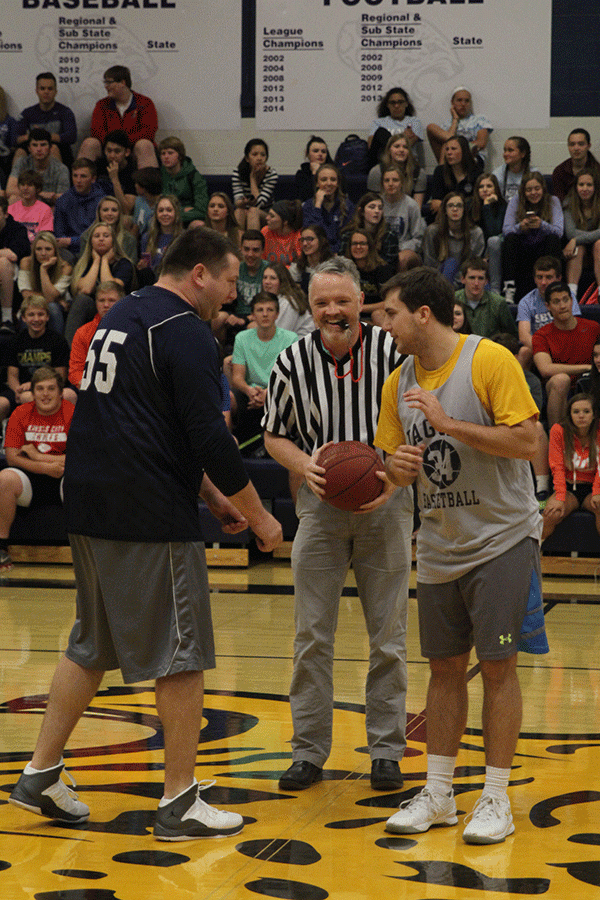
[309, 404]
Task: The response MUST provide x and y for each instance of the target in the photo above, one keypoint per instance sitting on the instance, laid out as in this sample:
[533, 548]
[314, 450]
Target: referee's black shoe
[300, 775]
[386, 775]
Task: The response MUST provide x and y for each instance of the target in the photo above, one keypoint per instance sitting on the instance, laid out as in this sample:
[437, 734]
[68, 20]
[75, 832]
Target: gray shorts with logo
[484, 608]
[143, 608]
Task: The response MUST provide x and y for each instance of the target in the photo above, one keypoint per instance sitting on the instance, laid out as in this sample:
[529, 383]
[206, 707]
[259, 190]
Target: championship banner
[324, 64]
[178, 51]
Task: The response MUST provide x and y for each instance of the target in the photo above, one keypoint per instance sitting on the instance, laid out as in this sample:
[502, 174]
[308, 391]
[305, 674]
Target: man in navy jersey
[327, 387]
[148, 437]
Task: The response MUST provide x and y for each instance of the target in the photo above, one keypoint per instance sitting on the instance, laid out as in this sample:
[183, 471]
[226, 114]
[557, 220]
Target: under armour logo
[505, 639]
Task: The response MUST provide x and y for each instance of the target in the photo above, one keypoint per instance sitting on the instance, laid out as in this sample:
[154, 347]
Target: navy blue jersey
[147, 424]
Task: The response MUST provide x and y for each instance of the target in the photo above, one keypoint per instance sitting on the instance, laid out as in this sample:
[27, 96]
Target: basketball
[351, 468]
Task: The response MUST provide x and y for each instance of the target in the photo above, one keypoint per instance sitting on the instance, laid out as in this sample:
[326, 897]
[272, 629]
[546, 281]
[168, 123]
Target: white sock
[542, 482]
[496, 781]
[29, 769]
[164, 801]
[440, 772]
[7, 317]
[573, 288]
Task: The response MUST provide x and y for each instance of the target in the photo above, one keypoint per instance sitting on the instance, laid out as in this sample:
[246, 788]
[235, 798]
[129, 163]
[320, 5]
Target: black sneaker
[6, 562]
[187, 817]
[7, 327]
[542, 498]
[47, 795]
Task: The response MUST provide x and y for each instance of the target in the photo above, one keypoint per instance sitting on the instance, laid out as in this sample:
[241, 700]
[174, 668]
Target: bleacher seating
[46, 525]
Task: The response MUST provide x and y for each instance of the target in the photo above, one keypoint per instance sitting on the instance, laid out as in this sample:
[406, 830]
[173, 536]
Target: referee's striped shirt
[310, 404]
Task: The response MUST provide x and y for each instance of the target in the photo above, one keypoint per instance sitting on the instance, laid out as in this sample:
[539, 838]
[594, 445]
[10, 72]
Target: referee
[327, 387]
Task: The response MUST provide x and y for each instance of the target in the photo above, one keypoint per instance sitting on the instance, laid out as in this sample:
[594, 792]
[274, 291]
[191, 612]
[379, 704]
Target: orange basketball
[351, 468]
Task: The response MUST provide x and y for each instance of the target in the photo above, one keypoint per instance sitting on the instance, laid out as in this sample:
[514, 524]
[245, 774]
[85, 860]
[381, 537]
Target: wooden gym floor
[328, 841]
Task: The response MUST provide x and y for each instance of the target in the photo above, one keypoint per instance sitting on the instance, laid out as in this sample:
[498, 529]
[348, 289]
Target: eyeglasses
[108, 81]
[455, 206]
[397, 102]
[358, 244]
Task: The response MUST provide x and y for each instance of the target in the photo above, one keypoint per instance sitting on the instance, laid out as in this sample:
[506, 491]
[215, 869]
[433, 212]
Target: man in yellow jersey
[457, 418]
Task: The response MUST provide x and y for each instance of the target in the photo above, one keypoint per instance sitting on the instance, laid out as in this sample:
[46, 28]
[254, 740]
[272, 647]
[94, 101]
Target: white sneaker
[490, 822]
[426, 808]
[45, 793]
[188, 817]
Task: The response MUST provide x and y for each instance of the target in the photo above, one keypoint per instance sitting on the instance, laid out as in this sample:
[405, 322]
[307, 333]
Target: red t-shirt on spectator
[280, 248]
[572, 347]
[79, 348]
[47, 433]
[140, 119]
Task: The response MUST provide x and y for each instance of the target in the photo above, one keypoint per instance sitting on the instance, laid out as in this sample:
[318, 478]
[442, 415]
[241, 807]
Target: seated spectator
[574, 464]
[475, 128]
[252, 267]
[14, 246]
[533, 227]
[253, 184]
[107, 294]
[562, 350]
[452, 239]
[31, 347]
[589, 383]
[532, 311]
[123, 110]
[314, 249]
[102, 260]
[294, 313]
[368, 214]
[580, 157]
[181, 179]
[539, 463]
[458, 171]
[55, 175]
[35, 444]
[50, 115]
[254, 353]
[220, 216]
[29, 210]
[517, 163]
[373, 271]
[488, 209]
[403, 218]
[8, 139]
[329, 208]
[110, 212]
[460, 323]
[235, 316]
[148, 187]
[396, 115]
[165, 226]
[486, 312]
[397, 151]
[46, 273]
[582, 227]
[115, 170]
[317, 153]
[282, 232]
[76, 209]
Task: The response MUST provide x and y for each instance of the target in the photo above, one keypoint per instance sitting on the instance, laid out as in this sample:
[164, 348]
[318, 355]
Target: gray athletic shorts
[485, 607]
[142, 608]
